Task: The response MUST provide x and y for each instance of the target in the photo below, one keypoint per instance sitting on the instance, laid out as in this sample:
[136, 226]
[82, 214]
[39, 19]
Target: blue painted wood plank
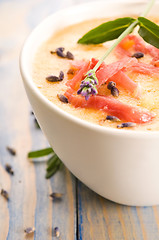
[99, 218]
[30, 204]
[48, 213]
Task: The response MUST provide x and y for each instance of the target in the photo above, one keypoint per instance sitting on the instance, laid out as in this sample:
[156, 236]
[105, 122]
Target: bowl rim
[27, 78]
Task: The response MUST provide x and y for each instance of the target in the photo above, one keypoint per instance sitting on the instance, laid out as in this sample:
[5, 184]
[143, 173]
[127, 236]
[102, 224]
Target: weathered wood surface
[81, 214]
[101, 219]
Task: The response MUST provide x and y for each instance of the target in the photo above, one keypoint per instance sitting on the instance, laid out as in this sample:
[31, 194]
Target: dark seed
[114, 91]
[138, 55]
[112, 118]
[60, 49]
[11, 151]
[62, 98]
[111, 84]
[52, 78]
[56, 196]
[126, 124]
[60, 53]
[29, 230]
[61, 76]
[9, 169]
[5, 194]
[56, 232]
[69, 55]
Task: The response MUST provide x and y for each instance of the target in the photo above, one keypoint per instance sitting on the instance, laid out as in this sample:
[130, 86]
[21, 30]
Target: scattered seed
[138, 55]
[29, 230]
[60, 49]
[56, 232]
[52, 78]
[112, 118]
[62, 98]
[69, 55]
[126, 124]
[5, 194]
[11, 151]
[9, 169]
[111, 84]
[114, 91]
[56, 196]
[61, 76]
[60, 53]
[71, 71]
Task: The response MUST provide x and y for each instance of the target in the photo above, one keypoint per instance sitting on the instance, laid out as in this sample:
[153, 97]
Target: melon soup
[136, 79]
[109, 141]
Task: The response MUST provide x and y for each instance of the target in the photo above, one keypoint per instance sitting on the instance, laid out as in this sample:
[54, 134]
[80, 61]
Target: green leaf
[50, 160]
[54, 164]
[106, 31]
[40, 153]
[52, 171]
[53, 161]
[149, 31]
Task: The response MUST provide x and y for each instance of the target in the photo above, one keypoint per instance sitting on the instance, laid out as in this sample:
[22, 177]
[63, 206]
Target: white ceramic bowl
[122, 166]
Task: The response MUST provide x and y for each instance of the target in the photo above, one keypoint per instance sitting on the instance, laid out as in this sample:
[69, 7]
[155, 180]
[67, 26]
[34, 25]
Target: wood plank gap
[80, 215]
[77, 214]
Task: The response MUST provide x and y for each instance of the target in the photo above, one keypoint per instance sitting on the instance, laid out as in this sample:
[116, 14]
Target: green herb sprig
[118, 29]
[53, 163]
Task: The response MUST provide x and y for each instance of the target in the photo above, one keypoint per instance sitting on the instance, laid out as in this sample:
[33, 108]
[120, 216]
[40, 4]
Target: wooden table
[81, 214]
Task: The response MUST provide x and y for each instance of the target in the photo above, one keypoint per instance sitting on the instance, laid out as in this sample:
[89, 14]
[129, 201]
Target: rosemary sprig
[119, 29]
[53, 163]
[40, 153]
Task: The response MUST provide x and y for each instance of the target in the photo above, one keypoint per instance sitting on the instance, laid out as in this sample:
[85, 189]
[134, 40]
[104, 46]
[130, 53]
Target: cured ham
[111, 106]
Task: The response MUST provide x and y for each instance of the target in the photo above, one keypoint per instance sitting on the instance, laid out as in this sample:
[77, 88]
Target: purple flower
[88, 85]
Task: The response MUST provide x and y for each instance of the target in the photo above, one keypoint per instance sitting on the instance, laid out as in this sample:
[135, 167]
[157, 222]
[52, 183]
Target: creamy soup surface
[46, 64]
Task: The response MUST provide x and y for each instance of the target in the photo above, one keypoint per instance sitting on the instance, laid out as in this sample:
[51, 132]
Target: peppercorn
[138, 55]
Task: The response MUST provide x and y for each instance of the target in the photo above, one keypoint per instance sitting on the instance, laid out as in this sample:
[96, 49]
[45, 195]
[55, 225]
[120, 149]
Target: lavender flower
[88, 85]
